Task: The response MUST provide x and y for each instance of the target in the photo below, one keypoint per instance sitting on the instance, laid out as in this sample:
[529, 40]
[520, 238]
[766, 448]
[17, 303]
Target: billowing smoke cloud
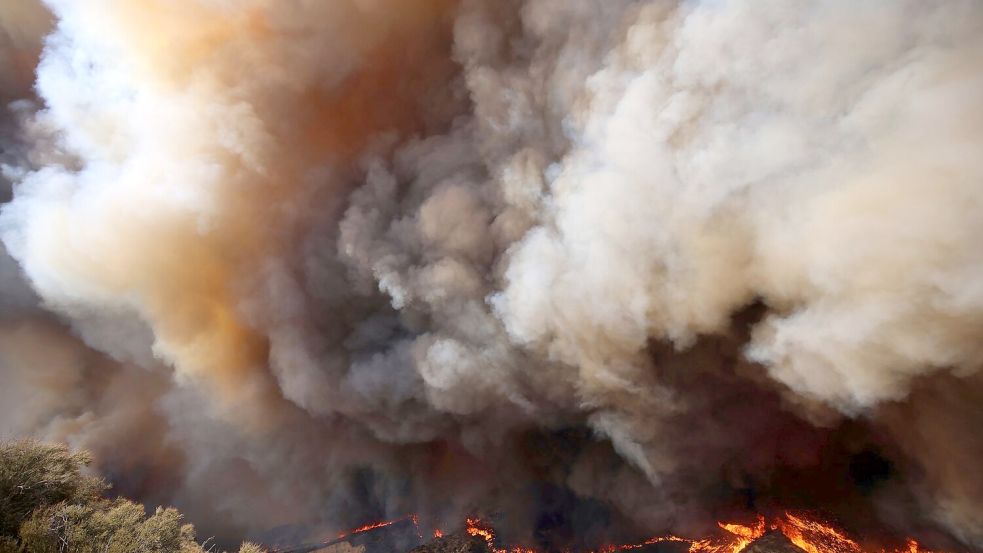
[314, 262]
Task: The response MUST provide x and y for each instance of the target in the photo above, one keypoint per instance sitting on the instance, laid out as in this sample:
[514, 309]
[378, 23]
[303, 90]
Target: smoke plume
[303, 264]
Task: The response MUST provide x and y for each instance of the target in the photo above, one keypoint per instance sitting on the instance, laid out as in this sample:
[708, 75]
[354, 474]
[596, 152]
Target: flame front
[475, 527]
[376, 525]
[811, 535]
[816, 537]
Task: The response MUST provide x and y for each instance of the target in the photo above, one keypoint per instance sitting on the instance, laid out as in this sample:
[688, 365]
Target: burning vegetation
[808, 533]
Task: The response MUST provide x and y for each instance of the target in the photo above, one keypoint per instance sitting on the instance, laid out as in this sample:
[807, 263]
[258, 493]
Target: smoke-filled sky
[307, 263]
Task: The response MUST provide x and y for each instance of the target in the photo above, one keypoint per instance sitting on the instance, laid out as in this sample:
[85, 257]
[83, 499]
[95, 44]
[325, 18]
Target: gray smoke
[315, 262]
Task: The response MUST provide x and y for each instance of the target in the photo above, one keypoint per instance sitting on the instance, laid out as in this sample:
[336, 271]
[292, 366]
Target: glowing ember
[816, 537]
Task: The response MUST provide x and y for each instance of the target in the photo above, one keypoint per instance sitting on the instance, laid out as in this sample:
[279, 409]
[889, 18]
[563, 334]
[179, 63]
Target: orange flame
[816, 537]
[911, 547]
[811, 535]
[740, 537]
[375, 525]
[478, 529]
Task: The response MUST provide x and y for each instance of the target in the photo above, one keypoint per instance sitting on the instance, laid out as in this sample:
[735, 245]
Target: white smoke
[370, 231]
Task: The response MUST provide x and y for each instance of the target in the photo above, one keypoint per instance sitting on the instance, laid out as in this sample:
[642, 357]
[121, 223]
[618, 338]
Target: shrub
[48, 505]
[118, 526]
[34, 475]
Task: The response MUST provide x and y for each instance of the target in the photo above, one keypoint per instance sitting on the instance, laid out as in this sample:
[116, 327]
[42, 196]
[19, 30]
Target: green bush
[48, 505]
[119, 526]
[34, 475]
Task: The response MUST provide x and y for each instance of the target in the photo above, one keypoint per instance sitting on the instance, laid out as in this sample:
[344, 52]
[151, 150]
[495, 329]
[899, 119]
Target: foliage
[33, 475]
[8, 545]
[48, 505]
[119, 526]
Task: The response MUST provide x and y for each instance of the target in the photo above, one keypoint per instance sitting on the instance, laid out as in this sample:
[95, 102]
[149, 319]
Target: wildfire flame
[739, 536]
[478, 529]
[368, 527]
[375, 525]
[816, 537]
[811, 535]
